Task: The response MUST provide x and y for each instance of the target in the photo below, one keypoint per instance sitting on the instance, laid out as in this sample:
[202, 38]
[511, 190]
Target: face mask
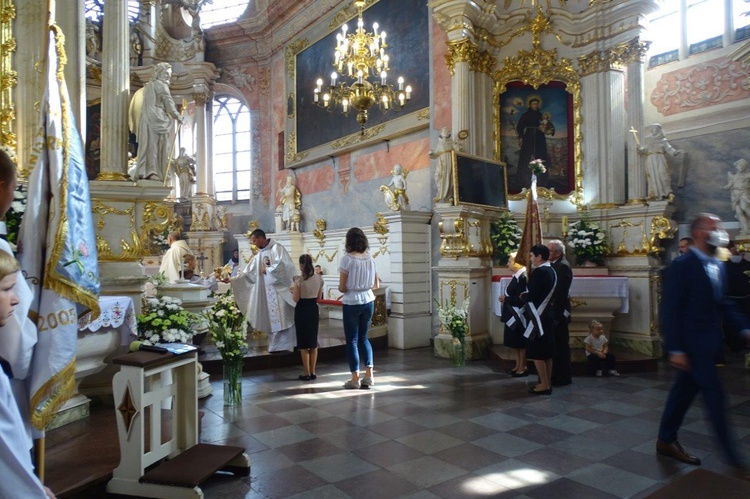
[735, 258]
[718, 238]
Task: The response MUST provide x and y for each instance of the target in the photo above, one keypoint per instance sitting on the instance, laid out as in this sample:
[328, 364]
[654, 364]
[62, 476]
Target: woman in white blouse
[357, 278]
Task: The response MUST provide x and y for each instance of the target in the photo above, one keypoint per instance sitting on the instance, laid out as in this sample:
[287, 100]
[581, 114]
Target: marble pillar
[410, 322]
[465, 273]
[72, 22]
[204, 177]
[637, 187]
[604, 163]
[115, 92]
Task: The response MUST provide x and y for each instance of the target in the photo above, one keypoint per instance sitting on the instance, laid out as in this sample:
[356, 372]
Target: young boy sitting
[597, 350]
[16, 469]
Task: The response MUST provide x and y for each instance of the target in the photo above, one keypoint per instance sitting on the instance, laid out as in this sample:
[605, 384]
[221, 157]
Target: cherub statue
[444, 172]
[290, 199]
[739, 190]
[294, 224]
[395, 192]
[220, 218]
[657, 170]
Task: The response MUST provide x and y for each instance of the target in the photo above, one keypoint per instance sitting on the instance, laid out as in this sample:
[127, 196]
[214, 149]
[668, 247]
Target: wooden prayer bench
[177, 466]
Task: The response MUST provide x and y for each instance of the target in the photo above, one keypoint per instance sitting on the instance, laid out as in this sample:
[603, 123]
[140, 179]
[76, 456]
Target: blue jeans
[356, 324]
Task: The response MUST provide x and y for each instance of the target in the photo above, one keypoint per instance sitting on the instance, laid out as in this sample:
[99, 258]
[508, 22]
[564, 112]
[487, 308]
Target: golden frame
[476, 159]
[537, 67]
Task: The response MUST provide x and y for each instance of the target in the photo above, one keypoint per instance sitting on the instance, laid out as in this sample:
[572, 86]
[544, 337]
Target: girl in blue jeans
[357, 278]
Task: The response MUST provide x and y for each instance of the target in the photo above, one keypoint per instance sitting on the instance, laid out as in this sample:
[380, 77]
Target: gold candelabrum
[361, 56]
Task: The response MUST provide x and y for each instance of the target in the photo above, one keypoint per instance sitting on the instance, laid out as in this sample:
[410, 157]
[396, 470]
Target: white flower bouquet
[506, 236]
[454, 319]
[15, 215]
[588, 242]
[165, 321]
[227, 327]
[537, 166]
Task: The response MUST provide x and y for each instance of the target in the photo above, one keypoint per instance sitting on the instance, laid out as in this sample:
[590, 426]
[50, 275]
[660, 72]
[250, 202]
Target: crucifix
[201, 258]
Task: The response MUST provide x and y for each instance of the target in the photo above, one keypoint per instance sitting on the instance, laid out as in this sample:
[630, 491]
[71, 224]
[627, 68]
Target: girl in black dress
[306, 290]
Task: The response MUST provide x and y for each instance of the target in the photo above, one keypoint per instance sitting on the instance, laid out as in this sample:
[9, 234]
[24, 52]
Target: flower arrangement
[506, 236]
[165, 321]
[159, 241]
[537, 166]
[228, 329]
[455, 320]
[15, 215]
[587, 241]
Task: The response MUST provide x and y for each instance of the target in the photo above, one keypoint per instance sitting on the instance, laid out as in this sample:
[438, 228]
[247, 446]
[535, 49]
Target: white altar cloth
[118, 313]
[581, 287]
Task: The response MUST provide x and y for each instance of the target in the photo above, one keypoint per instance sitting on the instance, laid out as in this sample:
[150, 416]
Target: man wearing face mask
[694, 302]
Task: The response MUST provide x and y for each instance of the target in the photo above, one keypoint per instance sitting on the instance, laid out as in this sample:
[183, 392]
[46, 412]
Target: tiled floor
[429, 430]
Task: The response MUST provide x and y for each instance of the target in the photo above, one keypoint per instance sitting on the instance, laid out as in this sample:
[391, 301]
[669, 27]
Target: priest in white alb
[174, 259]
[262, 291]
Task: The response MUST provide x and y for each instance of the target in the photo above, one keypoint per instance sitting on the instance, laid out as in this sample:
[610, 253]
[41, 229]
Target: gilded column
[115, 91]
[29, 27]
[637, 188]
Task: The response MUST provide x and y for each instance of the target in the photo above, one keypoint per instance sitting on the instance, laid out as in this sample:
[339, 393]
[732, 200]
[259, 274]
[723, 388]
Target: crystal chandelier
[361, 56]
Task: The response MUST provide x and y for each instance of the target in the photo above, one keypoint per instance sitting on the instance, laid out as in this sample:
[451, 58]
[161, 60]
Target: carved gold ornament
[156, 218]
[291, 150]
[537, 67]
[291, 54]
[661, 228]
[357, 137]
[8, 76]
[453, 237]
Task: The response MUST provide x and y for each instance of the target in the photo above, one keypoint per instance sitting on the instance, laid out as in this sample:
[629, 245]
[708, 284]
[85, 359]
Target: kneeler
[156, 465]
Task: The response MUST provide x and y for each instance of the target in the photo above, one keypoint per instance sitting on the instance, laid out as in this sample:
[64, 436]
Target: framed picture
[538, 123]
[479, 181]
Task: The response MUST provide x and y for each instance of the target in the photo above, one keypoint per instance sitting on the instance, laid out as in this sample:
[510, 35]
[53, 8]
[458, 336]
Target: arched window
[682, 28]
[232, 154]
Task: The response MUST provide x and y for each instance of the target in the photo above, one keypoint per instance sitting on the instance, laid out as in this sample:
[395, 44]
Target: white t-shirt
[361, 274]
[596, 343]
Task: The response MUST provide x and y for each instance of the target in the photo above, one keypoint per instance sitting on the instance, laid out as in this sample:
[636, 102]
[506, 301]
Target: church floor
[429, 430]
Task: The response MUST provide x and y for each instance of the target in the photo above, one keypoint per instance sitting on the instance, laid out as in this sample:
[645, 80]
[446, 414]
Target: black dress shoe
[521, 374]
[548, 391]
[675, 450]
[304, 377]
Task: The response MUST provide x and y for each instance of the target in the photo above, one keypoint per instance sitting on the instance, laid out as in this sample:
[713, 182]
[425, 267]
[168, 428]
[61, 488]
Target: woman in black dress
[512, 316]
[540, 319]
[306, 290]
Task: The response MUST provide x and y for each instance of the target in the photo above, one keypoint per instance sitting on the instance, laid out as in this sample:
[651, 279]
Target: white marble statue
[152, 115]
[657, 169]
[184, 166]
[444, 172]
[739, 190]
[395, 192]
[290, 200]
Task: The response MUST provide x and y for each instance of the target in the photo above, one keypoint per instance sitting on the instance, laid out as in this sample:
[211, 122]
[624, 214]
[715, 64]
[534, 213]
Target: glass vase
[459, 353]
[233, 381]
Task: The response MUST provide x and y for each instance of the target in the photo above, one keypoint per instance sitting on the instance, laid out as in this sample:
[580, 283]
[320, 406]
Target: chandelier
[360, 57]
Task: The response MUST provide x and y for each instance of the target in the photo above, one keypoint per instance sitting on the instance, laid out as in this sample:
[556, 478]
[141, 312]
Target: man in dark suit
[561, 372]
[694, 303]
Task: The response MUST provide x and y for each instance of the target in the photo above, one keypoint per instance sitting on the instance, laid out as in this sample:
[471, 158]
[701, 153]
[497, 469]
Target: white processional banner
[57, 248]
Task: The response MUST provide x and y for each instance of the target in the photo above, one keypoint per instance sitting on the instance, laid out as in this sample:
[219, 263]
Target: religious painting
[478, 181]
[537, 124]
[408, 49]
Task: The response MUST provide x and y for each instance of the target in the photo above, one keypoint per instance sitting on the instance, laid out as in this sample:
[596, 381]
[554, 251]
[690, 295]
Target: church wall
[703, 104]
